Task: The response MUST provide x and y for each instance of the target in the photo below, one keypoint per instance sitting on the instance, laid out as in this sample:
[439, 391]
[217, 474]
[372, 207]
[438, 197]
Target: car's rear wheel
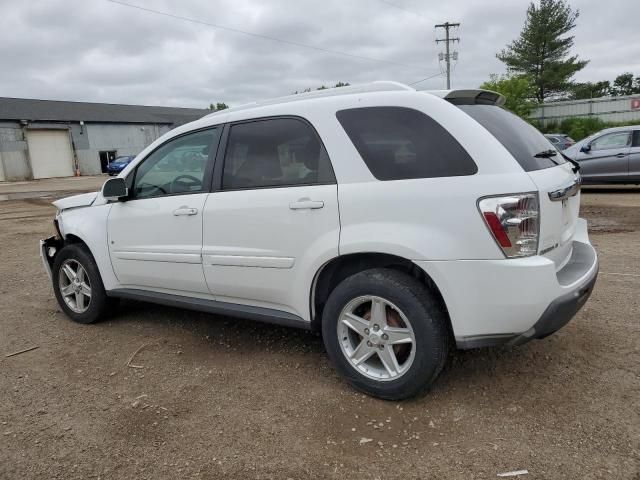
[78, 286]
[385, 333]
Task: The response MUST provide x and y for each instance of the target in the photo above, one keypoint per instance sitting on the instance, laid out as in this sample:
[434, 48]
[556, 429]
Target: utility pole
[448, 40]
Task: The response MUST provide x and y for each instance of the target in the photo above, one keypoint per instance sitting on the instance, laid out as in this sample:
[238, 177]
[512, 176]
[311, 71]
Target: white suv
[396, 222]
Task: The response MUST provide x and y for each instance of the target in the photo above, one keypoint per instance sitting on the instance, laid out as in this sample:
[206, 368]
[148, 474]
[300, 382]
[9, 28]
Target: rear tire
[78, 286]
[385, 333]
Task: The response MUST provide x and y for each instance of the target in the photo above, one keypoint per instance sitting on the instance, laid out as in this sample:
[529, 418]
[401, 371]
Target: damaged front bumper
[49, 248]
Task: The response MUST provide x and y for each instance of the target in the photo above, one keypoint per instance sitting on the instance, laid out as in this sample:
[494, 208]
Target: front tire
[78, 286]
[385, 333]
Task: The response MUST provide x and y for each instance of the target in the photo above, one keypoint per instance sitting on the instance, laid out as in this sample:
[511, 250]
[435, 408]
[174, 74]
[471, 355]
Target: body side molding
[215, 307]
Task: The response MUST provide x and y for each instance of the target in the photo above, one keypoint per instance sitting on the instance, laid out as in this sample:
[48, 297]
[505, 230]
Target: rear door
[606, 158]
[546, 168]
[272, 219]
[558, 217]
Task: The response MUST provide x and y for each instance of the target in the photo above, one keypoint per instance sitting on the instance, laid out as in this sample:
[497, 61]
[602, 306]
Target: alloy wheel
[75, 286]
[376, 338]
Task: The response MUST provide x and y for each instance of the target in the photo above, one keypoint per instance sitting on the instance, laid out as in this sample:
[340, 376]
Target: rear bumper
[561, 310]
[510, 302]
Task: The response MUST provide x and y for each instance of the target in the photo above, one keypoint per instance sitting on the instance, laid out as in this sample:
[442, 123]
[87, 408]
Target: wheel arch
[331, 273]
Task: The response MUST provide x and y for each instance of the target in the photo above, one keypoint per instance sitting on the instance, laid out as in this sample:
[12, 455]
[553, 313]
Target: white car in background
[396, 222]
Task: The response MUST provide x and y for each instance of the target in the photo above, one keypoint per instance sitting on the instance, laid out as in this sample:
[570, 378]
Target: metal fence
[608, 109]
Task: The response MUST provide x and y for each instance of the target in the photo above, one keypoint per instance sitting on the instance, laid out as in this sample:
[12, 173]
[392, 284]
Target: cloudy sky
[97, 50]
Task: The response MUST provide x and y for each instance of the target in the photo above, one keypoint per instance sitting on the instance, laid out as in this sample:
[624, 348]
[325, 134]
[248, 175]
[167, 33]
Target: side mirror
[115, 189]
[586, 148]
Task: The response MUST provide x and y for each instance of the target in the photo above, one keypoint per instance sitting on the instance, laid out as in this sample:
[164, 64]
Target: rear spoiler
[469, 97]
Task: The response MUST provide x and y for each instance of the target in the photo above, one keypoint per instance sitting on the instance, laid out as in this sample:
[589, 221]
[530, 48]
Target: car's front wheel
[78, 286]
[385, 333]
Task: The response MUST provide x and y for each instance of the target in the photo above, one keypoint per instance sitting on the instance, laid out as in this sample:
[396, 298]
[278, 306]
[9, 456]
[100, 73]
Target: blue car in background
[116, 166]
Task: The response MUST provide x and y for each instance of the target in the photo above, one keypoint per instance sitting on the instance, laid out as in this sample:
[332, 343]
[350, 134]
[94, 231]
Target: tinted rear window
[401, 143]
[521, 139]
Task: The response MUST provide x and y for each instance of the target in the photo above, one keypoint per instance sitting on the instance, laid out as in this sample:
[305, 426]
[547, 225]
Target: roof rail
[379, 86]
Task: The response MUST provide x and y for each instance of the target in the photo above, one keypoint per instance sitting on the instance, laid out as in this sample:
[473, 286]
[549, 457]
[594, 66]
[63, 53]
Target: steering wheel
[186, 183]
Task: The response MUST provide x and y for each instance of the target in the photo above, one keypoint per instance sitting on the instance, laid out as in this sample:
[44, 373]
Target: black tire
[421, 308]
[99, 304]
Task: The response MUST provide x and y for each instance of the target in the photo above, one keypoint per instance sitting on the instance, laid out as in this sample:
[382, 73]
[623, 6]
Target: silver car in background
[609, 156]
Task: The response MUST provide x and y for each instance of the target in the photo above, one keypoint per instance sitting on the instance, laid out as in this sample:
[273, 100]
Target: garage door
[50, 153]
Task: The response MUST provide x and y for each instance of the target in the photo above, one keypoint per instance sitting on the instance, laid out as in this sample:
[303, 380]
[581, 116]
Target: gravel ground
[215, 397]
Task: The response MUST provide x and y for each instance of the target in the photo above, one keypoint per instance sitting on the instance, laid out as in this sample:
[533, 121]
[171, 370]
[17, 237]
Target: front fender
[90, 226]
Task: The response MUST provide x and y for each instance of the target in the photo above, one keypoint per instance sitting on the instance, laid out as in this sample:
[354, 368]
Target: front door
[607, 158]
[155, 237]
[274, 218]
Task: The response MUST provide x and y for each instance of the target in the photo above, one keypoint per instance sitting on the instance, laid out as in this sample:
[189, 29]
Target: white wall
[608, 109]
[126, 139]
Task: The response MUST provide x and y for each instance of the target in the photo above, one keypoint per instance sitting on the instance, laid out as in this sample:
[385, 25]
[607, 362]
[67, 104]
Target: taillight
[513, 220]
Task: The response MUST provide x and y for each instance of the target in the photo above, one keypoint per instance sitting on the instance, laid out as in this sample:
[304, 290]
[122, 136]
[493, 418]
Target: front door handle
[306, 204]
[621, 155]
[184, 210]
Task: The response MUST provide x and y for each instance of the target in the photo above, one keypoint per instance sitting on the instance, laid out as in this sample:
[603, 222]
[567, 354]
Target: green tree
[542, 49]
[518, 90]
[625, 84]
[581, 91]
[218, 106]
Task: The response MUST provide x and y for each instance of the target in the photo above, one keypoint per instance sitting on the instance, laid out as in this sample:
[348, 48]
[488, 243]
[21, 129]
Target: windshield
[521, 139]
[122, 160]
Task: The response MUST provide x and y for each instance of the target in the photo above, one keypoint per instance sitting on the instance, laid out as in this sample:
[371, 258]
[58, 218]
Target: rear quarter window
[398, 143]
[521, 139]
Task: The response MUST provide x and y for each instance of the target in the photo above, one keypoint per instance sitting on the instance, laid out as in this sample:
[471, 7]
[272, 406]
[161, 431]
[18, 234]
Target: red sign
[635, 104]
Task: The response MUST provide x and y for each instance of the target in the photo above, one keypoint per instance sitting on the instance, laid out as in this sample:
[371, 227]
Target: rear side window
[636, 138]
[275, 152]
[521, 139]
[401, 143]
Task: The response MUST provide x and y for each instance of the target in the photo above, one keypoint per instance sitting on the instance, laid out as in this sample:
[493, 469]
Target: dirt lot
[221, 398]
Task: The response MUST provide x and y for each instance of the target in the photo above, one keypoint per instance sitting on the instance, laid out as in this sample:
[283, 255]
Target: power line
[399, 7]
[424, 79]
[264, 37]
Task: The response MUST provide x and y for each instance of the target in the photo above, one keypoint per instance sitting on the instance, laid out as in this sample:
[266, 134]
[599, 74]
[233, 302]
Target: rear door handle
[184, 210]
[306, 204]
[621, 155]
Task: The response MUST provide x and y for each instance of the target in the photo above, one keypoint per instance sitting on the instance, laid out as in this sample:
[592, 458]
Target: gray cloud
[99, 51]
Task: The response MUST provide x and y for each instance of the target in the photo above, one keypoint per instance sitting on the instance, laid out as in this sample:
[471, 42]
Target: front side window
[611, 140]
[274, 152]
[399, 143]
[636, 138]
[177, 167]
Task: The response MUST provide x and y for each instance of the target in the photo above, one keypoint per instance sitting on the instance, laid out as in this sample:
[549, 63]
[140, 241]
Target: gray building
[608, 109]
[48, 138]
